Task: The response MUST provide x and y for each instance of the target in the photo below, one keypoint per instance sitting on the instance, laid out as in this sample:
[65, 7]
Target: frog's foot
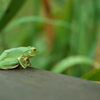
[24, 62]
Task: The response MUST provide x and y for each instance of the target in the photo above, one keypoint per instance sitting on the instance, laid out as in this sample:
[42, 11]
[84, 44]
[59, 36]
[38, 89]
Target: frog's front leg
[9, 63]
[24, 61]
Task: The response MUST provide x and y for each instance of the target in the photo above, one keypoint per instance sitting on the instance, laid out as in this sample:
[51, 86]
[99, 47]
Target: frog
[17, 57]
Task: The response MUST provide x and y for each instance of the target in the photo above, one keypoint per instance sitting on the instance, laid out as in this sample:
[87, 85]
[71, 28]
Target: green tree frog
[17, 57]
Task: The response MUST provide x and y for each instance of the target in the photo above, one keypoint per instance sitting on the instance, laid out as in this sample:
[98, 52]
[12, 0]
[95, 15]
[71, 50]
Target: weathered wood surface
[35, 84]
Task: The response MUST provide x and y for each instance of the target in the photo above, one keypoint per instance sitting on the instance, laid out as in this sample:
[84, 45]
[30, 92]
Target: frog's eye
[34, 49]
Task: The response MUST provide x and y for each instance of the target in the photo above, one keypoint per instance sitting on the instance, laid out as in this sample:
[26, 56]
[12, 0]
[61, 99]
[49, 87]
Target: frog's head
[24, 58]
[31, 52]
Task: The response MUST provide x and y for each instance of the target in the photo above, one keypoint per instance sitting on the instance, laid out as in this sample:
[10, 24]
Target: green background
[65, 32]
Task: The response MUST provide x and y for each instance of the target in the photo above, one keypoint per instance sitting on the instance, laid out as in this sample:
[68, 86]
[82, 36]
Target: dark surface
[35, 84]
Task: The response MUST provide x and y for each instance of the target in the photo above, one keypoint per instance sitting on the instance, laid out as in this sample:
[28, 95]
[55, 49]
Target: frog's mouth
[34, 55]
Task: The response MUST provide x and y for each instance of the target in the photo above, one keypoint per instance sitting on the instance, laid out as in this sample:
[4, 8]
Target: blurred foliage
[65, 32]
[93, 75]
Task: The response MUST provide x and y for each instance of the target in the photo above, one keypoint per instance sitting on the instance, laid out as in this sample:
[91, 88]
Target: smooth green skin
[16, 57]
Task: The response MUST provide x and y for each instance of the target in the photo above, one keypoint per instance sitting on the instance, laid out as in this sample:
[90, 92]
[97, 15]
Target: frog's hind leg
[9, 63]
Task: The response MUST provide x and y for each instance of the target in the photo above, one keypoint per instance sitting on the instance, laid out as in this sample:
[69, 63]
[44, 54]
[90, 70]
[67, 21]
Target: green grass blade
[93, 75]
[34, 31]
[62, 35]
[35, 19]
[12, 9]
[69, 62]
[81, 24]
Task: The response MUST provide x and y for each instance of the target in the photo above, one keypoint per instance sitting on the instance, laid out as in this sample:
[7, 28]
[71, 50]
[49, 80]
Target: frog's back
[13, 53]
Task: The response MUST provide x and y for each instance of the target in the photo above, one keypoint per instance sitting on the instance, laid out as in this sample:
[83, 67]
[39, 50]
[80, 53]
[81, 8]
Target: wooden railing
[36, 84]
